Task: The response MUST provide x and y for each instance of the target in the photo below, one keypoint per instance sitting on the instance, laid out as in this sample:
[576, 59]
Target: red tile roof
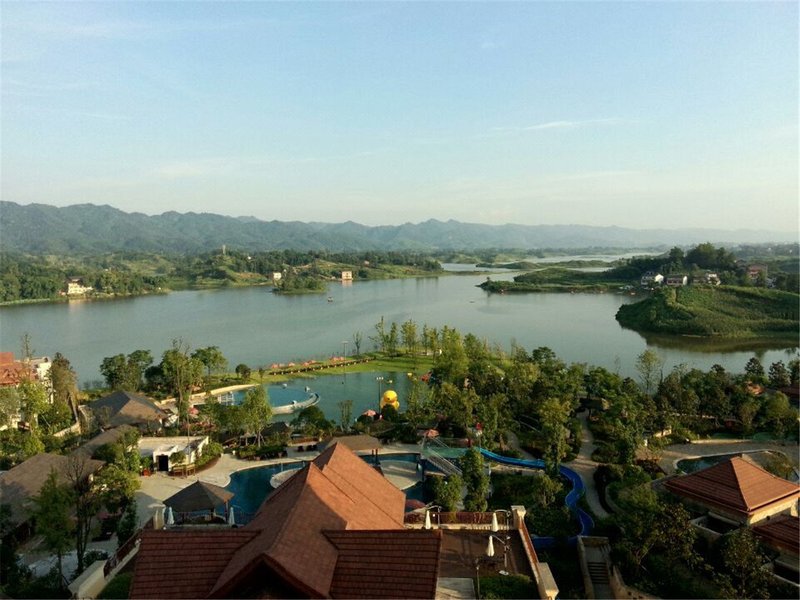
[183, 563]
[782, 531]
[385, 564]
[337, 491]
[736, 485]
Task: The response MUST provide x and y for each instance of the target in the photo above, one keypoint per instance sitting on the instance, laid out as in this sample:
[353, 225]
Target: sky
[636, 114]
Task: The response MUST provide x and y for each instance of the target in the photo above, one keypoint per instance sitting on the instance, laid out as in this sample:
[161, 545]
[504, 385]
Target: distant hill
[87, 228]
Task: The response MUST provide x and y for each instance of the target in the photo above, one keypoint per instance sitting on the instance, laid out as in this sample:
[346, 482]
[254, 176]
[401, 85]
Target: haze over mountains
[88, 228]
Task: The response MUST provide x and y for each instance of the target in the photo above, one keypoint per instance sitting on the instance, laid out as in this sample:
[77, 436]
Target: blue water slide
[587, 524]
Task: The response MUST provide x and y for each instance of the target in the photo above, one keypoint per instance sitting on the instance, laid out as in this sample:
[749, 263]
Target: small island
[719, 312]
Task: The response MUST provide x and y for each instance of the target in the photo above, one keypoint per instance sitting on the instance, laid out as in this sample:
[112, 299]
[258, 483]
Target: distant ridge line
[87, 228]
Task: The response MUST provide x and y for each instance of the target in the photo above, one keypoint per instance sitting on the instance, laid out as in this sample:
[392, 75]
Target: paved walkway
[584, 466]
[158, 487]
[678, 452]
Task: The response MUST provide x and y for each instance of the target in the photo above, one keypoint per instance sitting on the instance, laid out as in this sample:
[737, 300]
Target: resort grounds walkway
[584, 466]
[158, 487]
[674, 453]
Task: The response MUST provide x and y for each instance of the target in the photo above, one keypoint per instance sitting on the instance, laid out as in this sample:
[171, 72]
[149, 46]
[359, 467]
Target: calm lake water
[256, 327]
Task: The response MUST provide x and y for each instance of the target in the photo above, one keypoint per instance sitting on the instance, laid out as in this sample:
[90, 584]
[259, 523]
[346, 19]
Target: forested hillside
[86, 228]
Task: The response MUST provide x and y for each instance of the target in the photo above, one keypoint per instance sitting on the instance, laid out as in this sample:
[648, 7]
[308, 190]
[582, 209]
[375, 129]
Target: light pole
[379, 379]
[344, 362]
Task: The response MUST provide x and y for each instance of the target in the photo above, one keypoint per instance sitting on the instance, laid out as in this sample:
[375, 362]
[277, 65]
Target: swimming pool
[252, 486]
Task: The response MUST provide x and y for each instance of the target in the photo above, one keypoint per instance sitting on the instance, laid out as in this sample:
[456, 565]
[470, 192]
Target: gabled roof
[110, 436]
[337, 490]
[183, 563]
[127, 408]
[289, 538]
[736, 485]
[385, 564]
[782, 531]
[356, 443]
[21, 483]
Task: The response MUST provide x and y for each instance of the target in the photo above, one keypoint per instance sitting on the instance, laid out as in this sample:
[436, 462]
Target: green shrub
[508, 586]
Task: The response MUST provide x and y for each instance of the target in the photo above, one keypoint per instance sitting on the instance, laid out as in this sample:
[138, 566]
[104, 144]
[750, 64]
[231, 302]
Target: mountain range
[88, 228]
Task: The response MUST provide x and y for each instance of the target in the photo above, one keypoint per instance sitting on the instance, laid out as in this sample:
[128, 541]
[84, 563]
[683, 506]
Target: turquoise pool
[251, 486]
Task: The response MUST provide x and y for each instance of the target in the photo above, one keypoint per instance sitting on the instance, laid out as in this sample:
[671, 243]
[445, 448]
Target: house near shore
[14, 371]
[347, 276]
[75, 287]
[679, 280]
[651, 278]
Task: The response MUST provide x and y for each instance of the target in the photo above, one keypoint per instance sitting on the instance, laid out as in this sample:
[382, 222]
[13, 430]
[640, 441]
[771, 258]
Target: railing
[451, 518]
[444, 464]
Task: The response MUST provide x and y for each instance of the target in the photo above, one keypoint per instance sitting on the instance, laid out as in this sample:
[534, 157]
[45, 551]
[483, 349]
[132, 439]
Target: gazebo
[198, 497]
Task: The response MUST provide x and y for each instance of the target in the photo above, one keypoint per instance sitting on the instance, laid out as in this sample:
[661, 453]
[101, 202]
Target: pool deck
[158, 487]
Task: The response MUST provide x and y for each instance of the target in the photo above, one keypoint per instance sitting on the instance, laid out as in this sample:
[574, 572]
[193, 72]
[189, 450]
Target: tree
[553, 416]
[544, 489]
[243, 371]
[127, 525]
[649, 524]
[33, 401]
[212, 358]
[113, 369]
[116, 487]
[476, 481]
[755, 370]
[779, 376]
[649, 365]
[182, 372]
[357, 340]
[51, 508]
[346, 414]
[64, 383]
[741, 560]
[10, 405]
[256, 412]
[86, 501]
[409, 332]
[447, 491]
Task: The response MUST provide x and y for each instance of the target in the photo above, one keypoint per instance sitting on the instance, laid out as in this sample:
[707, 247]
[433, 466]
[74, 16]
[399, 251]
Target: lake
[256, 327]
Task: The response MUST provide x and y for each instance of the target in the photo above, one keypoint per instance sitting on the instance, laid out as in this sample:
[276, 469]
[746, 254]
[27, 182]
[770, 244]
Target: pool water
[692, 465]
[252, 486]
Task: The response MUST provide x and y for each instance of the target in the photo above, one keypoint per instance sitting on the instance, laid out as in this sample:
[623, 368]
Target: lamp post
[478, 576]
[344, 362]
[379, 379]
[428, 516]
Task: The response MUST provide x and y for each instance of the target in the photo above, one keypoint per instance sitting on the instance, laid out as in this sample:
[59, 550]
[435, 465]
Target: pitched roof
[736, 484]
[199, 496]
[337, 490]
[19, 484]
[385, 564]
[127, 408]
[356, 443]
[287, 537]
[782, 531]
[109, 436]
[183, 563]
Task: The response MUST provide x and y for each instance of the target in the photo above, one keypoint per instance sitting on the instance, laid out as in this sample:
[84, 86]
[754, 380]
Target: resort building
[736, 492]
[676, 280]
[75, 287]
[336, 529]
[20, 484]
[126, 408]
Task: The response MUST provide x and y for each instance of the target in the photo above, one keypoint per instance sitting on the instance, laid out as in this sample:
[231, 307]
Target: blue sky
[638, 114]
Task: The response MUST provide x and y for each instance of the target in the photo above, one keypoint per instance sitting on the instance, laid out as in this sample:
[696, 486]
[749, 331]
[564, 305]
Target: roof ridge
[347, 452]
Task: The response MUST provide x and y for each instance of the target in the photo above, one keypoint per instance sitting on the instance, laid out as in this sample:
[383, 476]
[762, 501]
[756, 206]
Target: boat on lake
[294, 406]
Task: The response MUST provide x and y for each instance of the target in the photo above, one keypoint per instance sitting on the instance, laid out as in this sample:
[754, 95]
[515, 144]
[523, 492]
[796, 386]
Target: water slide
[587, 524]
